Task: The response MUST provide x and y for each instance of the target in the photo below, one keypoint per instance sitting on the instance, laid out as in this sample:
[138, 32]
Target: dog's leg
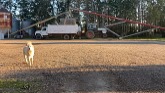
[29, 61]
[32, 60]
[26, 59]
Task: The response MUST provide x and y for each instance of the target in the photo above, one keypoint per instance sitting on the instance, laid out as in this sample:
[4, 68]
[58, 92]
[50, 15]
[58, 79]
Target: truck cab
[39, 34]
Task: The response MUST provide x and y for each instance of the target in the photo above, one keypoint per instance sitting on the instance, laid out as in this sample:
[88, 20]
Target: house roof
[4, 10]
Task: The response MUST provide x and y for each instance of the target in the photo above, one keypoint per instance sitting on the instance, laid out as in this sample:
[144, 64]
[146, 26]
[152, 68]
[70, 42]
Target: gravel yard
[87, 65]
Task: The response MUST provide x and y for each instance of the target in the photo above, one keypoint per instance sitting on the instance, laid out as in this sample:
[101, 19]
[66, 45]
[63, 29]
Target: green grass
[17, 86]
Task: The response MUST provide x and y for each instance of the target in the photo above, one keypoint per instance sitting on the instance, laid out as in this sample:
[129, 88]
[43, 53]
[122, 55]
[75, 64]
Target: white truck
[65, 31]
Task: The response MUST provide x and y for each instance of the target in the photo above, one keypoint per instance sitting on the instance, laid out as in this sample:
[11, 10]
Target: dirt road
[87, 65]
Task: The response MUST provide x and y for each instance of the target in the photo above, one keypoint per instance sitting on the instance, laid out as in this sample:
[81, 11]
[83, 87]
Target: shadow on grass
[97, 78]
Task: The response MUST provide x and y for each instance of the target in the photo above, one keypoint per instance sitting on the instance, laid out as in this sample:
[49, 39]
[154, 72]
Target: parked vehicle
[65, 31]
[66, 28]
[91, 30]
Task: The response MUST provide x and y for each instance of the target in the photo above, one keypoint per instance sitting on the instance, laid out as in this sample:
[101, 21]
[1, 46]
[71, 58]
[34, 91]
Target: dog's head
[30, 47]
[28, 43]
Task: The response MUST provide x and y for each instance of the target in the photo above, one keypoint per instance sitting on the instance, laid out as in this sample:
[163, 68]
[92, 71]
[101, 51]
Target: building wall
[31, 30]
[5, 20]
[1, 35]
[15, 25]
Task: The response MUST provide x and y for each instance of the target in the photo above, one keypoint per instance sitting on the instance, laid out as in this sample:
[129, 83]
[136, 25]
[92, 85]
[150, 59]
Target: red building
[5, 19]
[5, 22]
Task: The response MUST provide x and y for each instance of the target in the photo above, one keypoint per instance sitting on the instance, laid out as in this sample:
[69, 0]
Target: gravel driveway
[87, 65]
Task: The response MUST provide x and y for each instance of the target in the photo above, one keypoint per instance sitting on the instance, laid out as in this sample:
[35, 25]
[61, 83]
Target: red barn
[5, 22]
[5, 19]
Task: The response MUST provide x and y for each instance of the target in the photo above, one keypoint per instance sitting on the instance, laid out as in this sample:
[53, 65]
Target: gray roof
[4, 10]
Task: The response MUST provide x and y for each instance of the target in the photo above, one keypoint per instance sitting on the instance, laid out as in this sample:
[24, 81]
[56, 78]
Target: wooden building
[5, 22]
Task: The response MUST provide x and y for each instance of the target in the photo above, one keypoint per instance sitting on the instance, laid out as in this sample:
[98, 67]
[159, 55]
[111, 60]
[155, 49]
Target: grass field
[83, 66]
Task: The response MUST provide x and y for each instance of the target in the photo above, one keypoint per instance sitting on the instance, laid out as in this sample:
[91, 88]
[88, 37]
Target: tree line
[144, 11]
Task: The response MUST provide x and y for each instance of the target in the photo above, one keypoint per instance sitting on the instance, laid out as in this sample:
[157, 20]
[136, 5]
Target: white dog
[28, 52]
